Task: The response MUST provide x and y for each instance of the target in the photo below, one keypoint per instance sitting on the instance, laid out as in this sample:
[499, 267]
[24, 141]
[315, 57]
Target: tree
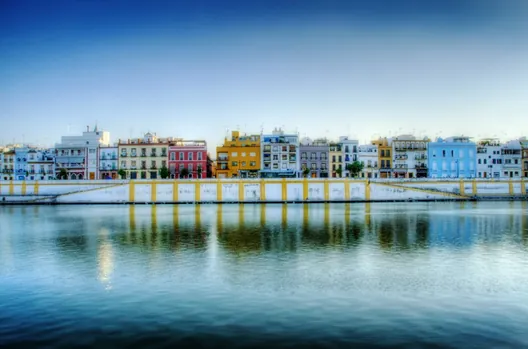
[306, 172]
[121, 173]
[63, 174]
[339, 171]
[355, 168]
[184, 173]
[164, 172]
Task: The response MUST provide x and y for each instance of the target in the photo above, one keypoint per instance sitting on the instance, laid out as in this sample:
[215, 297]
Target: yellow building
[336, 160]
[238, 157]
[8, 163]
[142, 158]
[384, 157]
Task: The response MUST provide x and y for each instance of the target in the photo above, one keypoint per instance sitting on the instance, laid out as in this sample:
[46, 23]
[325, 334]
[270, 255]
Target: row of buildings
[279, 154]
[275, 155]
[92, 156]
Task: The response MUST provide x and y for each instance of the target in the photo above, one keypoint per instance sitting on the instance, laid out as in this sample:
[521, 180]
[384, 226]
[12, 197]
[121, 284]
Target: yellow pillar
[131, 191]
[461, 188]
[197, 196]
[326, 219]
[347, 215]
[284, 190]
[153, 192]
[510, 187]
[175, 217]
[241, 191]
[262, 190]
[262, 215]
[154, 218]
[175, 191]
[132, 218]
[284, 216]
[305, 189]
[36, 188]
[474, 187]
[367, 190]
[11, 188]
[24, 188]
[347, 189]
[306, 216]
[523, 187]
[219, 218]
[219, 191]
[326, 188]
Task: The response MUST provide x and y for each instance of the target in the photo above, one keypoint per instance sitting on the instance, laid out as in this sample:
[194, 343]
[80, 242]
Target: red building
[187, 159]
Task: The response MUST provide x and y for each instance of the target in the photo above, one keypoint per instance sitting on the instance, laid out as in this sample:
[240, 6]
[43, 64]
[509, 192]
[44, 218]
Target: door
[92, 176]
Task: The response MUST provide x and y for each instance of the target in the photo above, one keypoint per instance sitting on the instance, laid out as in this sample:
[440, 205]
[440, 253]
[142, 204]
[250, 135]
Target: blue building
[453, 157]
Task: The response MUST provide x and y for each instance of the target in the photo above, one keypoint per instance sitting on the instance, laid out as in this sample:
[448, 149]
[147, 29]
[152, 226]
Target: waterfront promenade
[258, 190]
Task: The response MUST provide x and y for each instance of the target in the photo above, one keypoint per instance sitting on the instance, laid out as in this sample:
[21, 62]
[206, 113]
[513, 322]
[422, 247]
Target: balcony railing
[143, 155]
[123, 155]
[420, 157]
[143, 167]
[153, 167]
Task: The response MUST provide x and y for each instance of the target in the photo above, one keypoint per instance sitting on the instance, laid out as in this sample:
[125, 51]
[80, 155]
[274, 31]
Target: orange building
[238, 157]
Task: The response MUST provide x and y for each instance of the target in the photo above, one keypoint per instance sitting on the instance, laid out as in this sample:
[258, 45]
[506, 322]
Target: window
[199, 155]
[153, 164]
[485, 161]
[133, 164]
[313, 166]
[275, 149]
[340, 158]
[190, 155]
[243, 163]
[479, 161]
[234, 163]
[452, 153]
[243, 154]
[190, 168]
[163, 163]
[173, 156]
[284, 157]
[181, 155]
[252, 154]
[383, 154]
[275, 157]
[388, 153]
[252, 163]
[123, 164]
[443, 153]
[461, 153]
[234, 154]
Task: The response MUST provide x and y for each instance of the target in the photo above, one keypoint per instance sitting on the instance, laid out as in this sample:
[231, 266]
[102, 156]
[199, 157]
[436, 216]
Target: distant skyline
[325, 68]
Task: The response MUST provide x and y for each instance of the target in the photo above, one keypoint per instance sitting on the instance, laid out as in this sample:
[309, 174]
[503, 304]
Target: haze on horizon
[322, 68]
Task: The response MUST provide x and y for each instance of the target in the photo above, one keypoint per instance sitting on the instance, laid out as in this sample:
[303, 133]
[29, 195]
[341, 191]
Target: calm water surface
[413, 275]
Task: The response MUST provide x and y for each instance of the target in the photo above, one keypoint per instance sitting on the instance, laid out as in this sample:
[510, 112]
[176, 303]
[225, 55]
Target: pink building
[189, 155]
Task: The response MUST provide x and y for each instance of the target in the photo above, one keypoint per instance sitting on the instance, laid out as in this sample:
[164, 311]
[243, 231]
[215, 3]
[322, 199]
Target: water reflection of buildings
[105, 258]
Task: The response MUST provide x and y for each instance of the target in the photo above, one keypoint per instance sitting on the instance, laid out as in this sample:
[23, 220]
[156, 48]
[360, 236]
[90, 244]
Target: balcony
[400, 157]
[143, 155]
[420, 157]
[153, 167]
[123, 155]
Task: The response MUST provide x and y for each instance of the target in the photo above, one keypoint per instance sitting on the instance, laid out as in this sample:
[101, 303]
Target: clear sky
[194, 69]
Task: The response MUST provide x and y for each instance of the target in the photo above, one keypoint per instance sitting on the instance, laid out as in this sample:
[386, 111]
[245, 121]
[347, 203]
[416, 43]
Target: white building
[409, 157]
[489, 158]
[279, 155]
[349, 147]
[511, 159]
[20, 163]
[78, 155]
[41, 164]
[368, 156]
[108, 161]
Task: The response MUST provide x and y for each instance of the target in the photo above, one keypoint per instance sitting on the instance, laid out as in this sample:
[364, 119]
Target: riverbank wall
[256, 191]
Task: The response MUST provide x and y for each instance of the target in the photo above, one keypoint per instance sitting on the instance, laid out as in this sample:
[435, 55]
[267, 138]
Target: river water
[384, 275]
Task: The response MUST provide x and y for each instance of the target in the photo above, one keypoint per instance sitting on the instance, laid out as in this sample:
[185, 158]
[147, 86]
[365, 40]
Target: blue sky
[194, 69]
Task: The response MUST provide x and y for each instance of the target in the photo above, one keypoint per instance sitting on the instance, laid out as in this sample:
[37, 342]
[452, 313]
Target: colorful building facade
[239, 156]
[453, 157]
[142, 158]
[280, 155]
[187, 159]
[489, 158]
[108, 162]
[512, 159]
[409, 157]
[336, 160]
[368, 156]
[384, 146]
[315, 158]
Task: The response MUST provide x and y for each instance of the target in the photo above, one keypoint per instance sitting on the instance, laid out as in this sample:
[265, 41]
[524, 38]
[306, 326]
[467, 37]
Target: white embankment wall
[256, 190]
